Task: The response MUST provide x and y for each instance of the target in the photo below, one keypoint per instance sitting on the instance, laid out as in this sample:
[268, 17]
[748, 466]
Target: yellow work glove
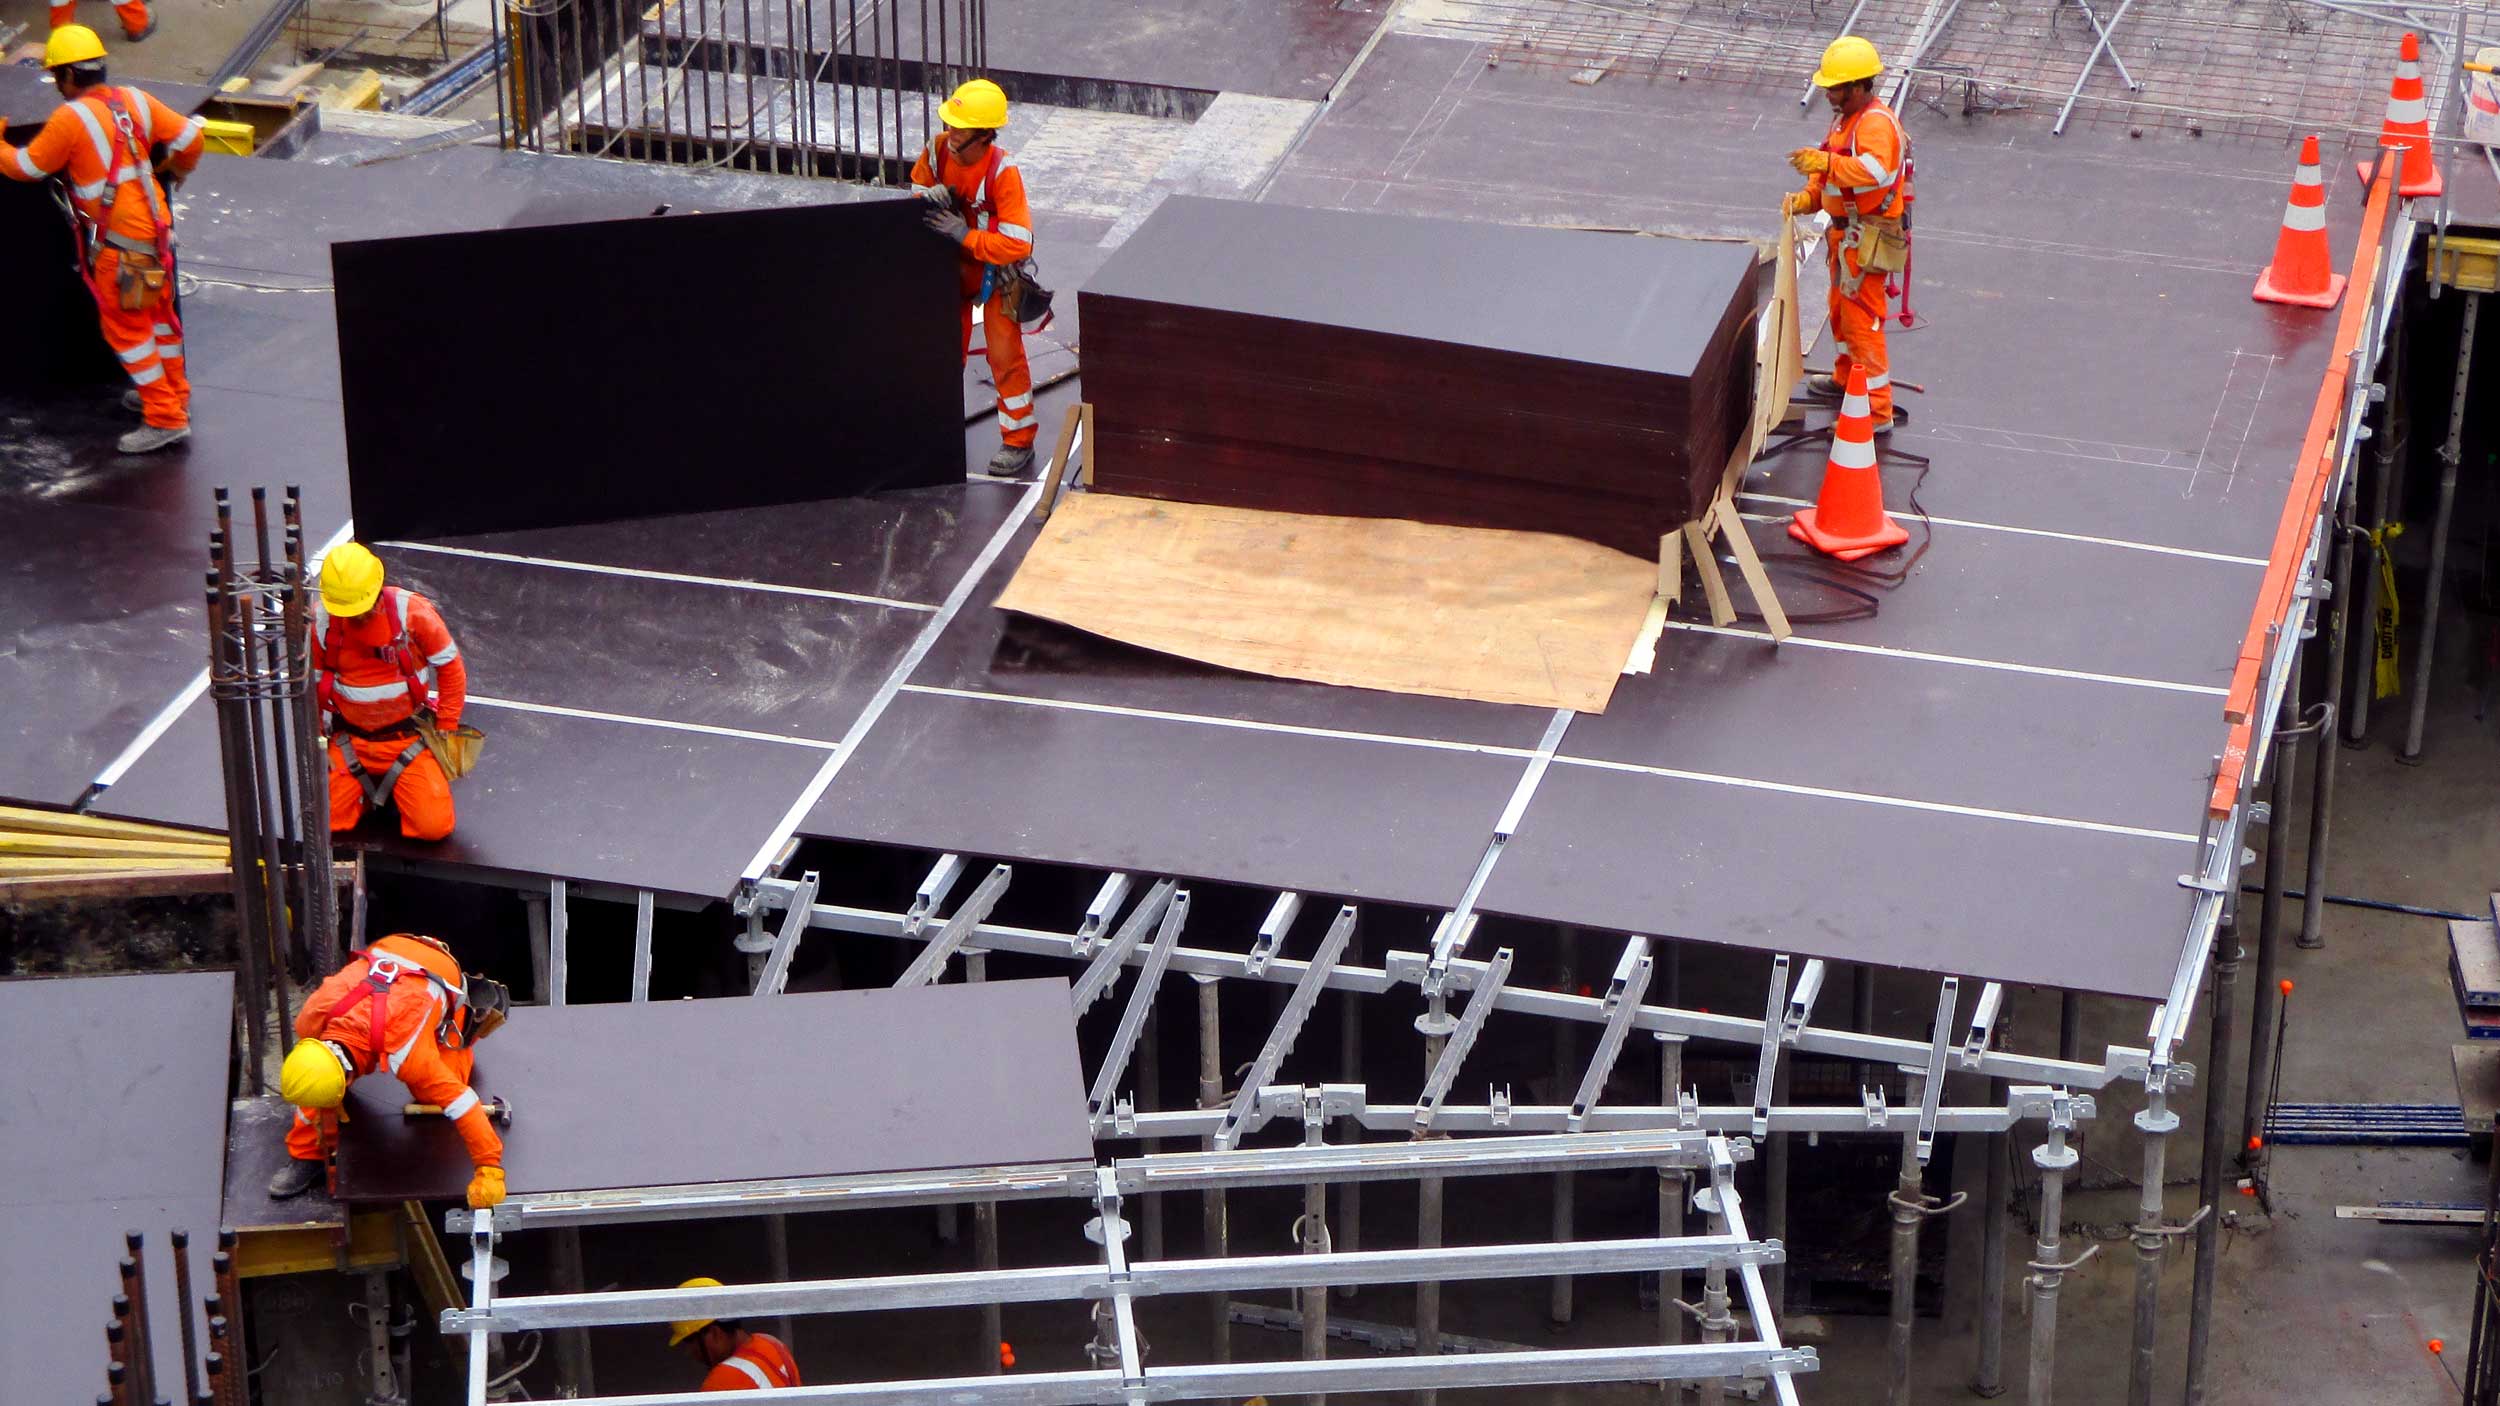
[1797, 202]
[1810, 160]
[486, 1189]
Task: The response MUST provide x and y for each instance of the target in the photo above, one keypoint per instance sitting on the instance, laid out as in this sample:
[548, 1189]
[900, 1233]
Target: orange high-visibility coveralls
[132, 13]
[408, 1046]
[761, 1363]
[1864, 179]
[374, 672]
[990, 193]
[99, 144]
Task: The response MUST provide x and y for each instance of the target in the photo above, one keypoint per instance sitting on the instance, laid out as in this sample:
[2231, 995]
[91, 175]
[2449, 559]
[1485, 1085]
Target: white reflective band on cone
[2304, 218]
[1852, 453]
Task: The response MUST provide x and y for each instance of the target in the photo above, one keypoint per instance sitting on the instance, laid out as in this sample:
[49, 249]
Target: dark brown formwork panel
[1583, 383]
[113, 1098]
[603, 1096]
[1383, 821]
[808, 353]
[1815, 876]
[672, 810]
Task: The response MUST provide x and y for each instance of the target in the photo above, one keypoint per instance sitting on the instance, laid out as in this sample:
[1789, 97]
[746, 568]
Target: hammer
[497, 1110]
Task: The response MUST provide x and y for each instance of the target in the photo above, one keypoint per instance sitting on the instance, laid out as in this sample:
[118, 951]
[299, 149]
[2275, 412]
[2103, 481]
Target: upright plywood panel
[568, 372]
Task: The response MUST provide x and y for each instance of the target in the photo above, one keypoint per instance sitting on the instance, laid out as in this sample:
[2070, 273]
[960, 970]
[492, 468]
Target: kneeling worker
[979, 195]
[97, 142]
[733, 1359]
[384, 661]
[405, 1008]
[1856, 177]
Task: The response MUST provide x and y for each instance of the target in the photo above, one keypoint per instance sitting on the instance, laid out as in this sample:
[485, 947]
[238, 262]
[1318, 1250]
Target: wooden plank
[111, 847]
[1765, 599]
[56, 822]
[1508, 617]
[29, 867]
[1056, 474]
[1713, 584]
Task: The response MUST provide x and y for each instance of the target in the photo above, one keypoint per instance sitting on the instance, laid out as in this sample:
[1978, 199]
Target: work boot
[1883, 429]
[296, 1177]
[135, 36]
[147, 439]
[1826, 387]
[131, 401]
[1010, 462]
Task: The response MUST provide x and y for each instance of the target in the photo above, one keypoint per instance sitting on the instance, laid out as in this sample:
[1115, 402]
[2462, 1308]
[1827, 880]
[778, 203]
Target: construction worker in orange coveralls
[98, 143]
[402, 1007]
[977, 195]
[733, 1359]
[137, 23]
[382, 660]
[1856, 176]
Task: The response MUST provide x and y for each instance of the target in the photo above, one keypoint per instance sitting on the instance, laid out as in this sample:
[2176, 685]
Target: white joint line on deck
[921, 644]
[164, 719]
[515, 705]
[1964, 661]
[2189, 552]
[681, 578]
[1870, 798]
[1204, 720]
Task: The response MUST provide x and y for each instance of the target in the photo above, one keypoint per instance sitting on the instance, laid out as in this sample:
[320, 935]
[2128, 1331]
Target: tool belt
[457, 750]
[139, 282]
[1018, 287]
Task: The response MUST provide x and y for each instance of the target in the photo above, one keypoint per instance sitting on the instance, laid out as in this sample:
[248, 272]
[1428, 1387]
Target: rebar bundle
[277, 780]
[131, 1333]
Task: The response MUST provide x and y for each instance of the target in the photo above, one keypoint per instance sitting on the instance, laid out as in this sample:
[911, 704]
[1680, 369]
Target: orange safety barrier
[2301, 506]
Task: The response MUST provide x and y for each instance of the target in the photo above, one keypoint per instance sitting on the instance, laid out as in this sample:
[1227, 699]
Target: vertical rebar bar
[250, 992]
[181, 1240]
[2216, 1078]
[1211, 1205]
[117, 1359]
[141, 1334]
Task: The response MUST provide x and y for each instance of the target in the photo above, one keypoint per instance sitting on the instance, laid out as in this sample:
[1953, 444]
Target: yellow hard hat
[72, 43]
[1847, 60]
[685, 1328]
[351, 579]
[979, 104]
[312, 1076]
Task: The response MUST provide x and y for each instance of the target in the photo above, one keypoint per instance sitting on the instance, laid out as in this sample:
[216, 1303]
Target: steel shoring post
[2048, 1272]
[1444, 1062]
[1558, 1296]
[2059, 127]
[2270, 925]
[1989, 1377]
[1149, 1098]
[2156, 1122]
[573, 1373]
[2216, 1079]
[1312, 1231]
[2451, 452]
[1350, 1069]
[1911, 1205]
[1435, 1025]
[1211, 1203]
[2339, 584]
[2360, 689]
[1670, 1201]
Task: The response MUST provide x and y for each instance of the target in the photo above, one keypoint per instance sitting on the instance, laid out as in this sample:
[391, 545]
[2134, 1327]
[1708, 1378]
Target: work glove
[486, 1189]
[946, 222]
[1810, 160]
[942, 197]
[1797, 202]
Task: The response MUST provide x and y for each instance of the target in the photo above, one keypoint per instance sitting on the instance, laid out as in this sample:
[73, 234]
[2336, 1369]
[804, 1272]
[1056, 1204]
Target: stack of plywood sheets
[1318, 361]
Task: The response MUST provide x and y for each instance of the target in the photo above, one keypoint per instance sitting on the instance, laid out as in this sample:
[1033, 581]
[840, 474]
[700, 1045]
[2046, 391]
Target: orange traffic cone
[2301, 273]
[1848, 520]
[2408, 125]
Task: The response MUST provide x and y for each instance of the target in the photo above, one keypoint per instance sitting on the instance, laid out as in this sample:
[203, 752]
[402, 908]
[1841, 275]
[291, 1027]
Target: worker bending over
[978, 196]
[401, 1007]
[733, 1359]
[98, 142]
[1856, 177]
[137, 23]
[383, 661]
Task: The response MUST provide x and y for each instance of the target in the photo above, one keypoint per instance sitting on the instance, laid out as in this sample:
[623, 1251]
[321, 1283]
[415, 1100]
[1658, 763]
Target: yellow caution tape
[2388, 679]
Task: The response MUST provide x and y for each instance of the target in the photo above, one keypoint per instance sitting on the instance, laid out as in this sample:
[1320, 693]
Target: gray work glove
[950, 224]
[943, 197]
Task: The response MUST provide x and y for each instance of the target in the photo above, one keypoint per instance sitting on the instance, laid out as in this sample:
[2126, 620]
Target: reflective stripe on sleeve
[1015, 231]
[26, 163]
[444, 655]
[753, 1373]
[190, 133]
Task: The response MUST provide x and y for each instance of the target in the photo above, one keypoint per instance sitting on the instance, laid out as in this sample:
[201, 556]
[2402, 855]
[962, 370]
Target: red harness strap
[403, 652]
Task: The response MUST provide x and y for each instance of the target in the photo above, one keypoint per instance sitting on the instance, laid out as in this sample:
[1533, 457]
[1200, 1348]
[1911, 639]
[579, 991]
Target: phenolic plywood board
[1453, 612]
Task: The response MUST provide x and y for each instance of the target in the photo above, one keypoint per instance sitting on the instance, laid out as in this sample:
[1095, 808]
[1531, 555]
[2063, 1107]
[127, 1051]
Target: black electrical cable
[2380, 904]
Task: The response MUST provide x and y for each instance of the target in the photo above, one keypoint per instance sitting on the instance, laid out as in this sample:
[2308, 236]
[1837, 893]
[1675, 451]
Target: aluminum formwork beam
[1462, 1038]
[931, 963]
[1289, 1023]
[1409, 968]
[1140, 1001]
[2027, 1102]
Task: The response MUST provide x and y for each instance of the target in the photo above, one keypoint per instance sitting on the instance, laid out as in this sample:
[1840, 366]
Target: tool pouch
[457, 750]
[140, 281]
[1883, 246]
[1027, 301]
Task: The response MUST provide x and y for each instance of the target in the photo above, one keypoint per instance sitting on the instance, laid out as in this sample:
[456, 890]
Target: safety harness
[1029, 303]
[1859, 228]
[403, 652]
[383, 971]
[125, 159]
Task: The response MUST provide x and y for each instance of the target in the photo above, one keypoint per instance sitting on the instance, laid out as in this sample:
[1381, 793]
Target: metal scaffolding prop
[277, 780]
[840, 88]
